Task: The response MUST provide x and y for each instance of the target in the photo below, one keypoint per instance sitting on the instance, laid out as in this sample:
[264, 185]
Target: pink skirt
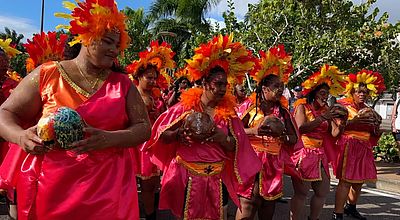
[356, 162]
[144, 168]
[270, 178]
[191, 196]
[310, 162]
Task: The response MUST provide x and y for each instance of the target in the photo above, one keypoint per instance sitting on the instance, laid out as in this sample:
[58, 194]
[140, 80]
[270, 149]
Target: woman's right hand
[30, 142]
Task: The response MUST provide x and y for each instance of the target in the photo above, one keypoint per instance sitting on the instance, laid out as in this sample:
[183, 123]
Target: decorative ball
[200, 125]
[369, 113]
[273, 124]
[62, 128]
[341, 110]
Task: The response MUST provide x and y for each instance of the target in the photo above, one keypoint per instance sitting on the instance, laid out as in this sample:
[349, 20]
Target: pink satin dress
[60, 185]
[194, 174]
[356, 163]
[146, 169]
[275, 158]
[312, 158]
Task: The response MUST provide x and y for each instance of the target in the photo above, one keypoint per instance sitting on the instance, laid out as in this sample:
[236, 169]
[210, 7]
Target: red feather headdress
[372, 80]
[221, 51]
[331, 75]
[91, 19]
[275, 61]
[157, 55]
[44, 47]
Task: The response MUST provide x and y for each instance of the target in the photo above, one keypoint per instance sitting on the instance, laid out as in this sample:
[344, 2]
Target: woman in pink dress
[315, 122]
[196, 170]
[6, 53]
[356, 164]
[147, 71]
[95, 175]
[272, 134]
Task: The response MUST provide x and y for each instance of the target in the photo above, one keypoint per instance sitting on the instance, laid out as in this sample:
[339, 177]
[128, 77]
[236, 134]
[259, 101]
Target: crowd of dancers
[194, 139]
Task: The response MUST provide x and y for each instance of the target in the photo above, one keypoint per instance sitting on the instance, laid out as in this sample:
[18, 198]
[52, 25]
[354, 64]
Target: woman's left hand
[97, 139]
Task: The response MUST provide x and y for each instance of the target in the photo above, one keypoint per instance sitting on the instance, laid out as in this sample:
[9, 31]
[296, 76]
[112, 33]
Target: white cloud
[215, 22]
[241, 8]
[20, 25]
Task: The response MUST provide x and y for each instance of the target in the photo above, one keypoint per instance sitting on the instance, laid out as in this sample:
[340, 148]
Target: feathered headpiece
[372, 80]
[276, 61]
[44, 47]
[12, 80]
[157, 55]
[331, 75]
[183, 72]
[8, 50]
[221, 51]
[91, 19]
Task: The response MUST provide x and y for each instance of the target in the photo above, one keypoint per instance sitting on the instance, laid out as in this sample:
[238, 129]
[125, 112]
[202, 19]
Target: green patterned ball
[68, 127]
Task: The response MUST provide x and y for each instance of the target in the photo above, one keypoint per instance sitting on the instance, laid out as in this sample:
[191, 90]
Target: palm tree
[138, 29]
[180, 22]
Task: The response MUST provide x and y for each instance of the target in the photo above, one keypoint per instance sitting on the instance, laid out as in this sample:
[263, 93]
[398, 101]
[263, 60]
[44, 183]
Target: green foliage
[138, 29]
[17, 63]
[181, 23]
[324, 31]
[387, 149]
[15, 38]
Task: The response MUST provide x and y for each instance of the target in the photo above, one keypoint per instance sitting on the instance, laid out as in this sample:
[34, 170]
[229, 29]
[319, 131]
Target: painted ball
[61, 128]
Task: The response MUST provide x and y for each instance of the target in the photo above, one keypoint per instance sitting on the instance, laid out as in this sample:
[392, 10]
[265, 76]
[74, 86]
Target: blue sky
[24, 15]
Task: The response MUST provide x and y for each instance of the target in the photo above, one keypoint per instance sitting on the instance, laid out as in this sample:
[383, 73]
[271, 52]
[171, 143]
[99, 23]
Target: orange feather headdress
[10, 51]
[158, 55]
[331, 75]
[275, 61]
[183, 72]
[44, 47]
[372, 80]
[221, 51]
[91, 19]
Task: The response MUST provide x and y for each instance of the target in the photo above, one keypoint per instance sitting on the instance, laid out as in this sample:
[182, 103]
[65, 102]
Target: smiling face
[102, 53]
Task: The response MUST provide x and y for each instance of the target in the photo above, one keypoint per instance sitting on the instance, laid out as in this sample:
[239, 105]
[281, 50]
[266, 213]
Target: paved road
[375, 205]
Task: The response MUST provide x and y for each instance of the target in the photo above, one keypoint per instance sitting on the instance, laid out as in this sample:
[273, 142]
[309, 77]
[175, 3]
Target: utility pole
[42, 18]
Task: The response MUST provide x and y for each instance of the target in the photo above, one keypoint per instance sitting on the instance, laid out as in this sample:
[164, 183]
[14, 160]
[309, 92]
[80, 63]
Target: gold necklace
[92, 85]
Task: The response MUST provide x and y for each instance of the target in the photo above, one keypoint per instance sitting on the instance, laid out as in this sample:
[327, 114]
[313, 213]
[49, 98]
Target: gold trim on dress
[221, 205]
[184, 114]
[70, 82]
[269, 198]
[187, 200]
[235, 167]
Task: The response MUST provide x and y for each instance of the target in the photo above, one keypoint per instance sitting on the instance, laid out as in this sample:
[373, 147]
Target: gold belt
[202, 168]
[309, 142]
[360, 135]
[267, 144]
